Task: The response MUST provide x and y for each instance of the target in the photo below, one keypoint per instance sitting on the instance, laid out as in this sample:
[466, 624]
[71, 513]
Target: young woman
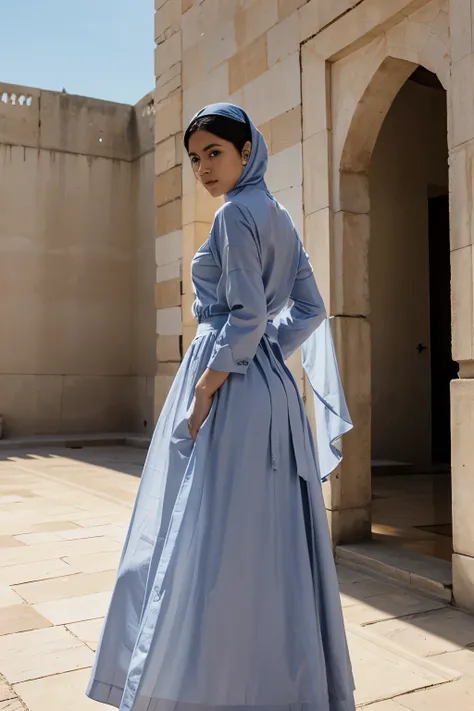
[227, 597]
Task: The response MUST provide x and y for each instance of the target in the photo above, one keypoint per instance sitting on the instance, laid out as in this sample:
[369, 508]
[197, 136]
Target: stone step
[139, 441]
[432, 576]
[385, 467]
[108, 439]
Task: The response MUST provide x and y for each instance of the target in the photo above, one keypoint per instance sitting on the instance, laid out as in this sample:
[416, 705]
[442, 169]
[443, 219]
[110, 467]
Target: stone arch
[377, 98]
[371, 111]
[352, 199]
[389, 69]
[355, 73]
[415, 42]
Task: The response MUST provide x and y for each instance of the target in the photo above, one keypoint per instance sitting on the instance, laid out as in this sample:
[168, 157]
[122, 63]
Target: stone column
[461, 149]
[336, 237]
[168, 203]
[348, 494]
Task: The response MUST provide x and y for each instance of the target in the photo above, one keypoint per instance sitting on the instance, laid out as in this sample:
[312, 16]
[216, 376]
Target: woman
[227, 594]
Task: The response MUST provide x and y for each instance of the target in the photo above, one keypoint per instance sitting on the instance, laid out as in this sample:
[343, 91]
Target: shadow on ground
[431, 627]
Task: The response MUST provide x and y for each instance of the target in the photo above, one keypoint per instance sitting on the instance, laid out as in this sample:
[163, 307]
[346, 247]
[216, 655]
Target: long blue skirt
[226, 594]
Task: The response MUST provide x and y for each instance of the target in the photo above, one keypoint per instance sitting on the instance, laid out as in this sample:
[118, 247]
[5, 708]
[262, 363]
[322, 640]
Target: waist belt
[214, 324]
[296, 413]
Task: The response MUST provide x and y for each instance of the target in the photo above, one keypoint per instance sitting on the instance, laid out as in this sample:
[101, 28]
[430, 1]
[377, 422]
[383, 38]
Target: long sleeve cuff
[222, 359]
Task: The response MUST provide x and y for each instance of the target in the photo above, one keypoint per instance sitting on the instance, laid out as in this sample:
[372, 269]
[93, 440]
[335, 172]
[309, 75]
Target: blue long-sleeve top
[253, 270]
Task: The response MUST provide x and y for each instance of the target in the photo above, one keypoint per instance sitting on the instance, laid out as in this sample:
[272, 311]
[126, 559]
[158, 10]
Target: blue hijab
[318, 352]
[253, 174]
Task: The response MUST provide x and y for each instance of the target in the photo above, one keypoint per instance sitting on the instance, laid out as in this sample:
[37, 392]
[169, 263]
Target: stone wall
[319, 77]
[248, 52]
[143, 347]
[76, 353]
[168, 195]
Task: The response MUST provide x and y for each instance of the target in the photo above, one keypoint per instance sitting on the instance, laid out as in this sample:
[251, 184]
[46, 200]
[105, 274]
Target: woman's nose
[203, 168]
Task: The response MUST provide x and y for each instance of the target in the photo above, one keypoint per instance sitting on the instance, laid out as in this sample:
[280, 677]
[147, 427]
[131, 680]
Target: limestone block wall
[143, 346]
[168, 196]
[461, 146]
[318, 77]
[248, 52]
[75, 249]
[352, 70]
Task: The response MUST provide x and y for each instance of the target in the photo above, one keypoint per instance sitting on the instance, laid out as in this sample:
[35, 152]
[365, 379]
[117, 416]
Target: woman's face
[216, 163]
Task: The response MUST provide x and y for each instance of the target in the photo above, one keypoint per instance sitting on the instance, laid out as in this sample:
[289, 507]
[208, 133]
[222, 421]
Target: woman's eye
[214, 154]
[194, 160]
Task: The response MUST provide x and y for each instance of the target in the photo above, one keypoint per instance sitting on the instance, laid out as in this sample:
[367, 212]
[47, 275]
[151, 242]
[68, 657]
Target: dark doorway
[443, 368]
[410, 285]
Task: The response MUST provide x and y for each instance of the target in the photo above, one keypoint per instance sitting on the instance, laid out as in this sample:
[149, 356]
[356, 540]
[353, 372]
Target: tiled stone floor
[63, 518]
[413, 511]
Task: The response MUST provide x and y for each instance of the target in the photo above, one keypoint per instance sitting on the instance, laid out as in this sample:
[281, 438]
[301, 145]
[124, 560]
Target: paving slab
[8, 597]
[41, 653]
[105, 520]
[42, 570]
[95, 562]
[12, 705]
[348, 575]
[110, 530]
[398, 603]
[362, 591]
[58, 549]
[65, 587]
[6, 692]
[68, 512]
[75, 609]
[384, 670]
[459, 696]
[438, 632]
[10, 542]
[88, 631]
[462, 661]
[37, 537]
[57, 693]
[20, 618]
[15, 527]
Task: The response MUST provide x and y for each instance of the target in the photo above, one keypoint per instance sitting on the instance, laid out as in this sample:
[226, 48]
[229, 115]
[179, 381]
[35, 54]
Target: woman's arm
[236, 250]
[306, 313]
[235, 347]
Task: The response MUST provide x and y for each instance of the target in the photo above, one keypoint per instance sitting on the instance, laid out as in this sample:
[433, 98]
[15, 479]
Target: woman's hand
[200, 409]
[207, 385]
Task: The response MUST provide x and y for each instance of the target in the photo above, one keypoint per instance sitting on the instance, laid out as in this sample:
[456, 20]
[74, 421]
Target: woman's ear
[246, 153]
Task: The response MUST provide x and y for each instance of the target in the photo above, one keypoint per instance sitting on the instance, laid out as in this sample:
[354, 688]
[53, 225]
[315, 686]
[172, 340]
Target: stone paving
[63, 518]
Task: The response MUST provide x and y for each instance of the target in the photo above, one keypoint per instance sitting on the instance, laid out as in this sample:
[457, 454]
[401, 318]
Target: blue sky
[98, 48]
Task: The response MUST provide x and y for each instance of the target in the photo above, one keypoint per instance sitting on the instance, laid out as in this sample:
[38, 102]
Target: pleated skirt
[226, 595]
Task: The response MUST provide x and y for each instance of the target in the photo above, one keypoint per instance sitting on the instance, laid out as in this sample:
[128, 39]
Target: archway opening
[410, 318]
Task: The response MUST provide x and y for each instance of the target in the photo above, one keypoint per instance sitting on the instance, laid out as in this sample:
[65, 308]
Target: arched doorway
[410, 318]
[349, 83]
[391, 203]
